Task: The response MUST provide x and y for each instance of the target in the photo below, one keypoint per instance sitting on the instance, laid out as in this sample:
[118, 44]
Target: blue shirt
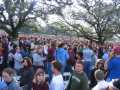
[114, 68]
[106, 56]
[88, 54]
[62, 55]
[2, 84]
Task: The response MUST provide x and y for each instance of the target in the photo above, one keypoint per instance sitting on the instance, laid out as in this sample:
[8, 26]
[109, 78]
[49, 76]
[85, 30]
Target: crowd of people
[41, 61]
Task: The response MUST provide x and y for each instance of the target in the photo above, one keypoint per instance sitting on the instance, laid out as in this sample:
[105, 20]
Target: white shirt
[57, 83]
[32, 45]
[46, 49]
[101, 85]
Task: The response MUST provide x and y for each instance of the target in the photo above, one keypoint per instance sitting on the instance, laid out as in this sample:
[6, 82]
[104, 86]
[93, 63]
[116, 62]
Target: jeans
[87, 68]
[49, 70]
[68, 68]
[63, 68]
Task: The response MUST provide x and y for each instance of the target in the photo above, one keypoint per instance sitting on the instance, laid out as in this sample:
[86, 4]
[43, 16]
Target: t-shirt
[88, 54]
[114, 68]
[57, 83]
[18, 59]
[102, 85]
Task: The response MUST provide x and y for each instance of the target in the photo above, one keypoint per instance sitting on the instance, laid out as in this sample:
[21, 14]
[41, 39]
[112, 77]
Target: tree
[99, 15]
[60, 27]
[49, 7]
[15, 13]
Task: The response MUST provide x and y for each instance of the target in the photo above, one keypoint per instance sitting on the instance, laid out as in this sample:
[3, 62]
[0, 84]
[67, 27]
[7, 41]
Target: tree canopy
[101, 17]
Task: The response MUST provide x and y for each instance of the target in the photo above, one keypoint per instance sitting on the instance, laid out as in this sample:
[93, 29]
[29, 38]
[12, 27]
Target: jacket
[11, 86]
[26, 77]
[78, 82]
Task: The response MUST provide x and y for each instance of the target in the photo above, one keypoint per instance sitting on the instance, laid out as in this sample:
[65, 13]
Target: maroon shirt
[43, 86]
[51, 52]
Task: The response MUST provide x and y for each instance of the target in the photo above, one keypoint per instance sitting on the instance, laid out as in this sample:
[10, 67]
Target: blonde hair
[38, 72]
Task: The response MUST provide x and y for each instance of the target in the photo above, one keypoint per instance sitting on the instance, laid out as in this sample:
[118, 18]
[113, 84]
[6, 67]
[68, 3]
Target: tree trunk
[100, 40]
[14, 34]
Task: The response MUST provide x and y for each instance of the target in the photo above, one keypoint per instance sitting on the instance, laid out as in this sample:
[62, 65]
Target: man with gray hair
[101, 83]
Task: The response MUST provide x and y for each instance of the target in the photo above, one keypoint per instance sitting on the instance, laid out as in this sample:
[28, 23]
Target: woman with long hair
[39, 81]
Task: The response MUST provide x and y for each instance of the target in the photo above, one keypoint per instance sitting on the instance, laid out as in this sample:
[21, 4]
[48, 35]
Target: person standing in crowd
[62, 56]
[26, 74]
[1, 56]
[18, 60]
[88, 57]
[114, 65]
[1, 49]
[71, 60]
[50, 58]
[5, 52]
[78, 79]
[37, 58]
[39, 82]
[7, 75]
[100, 65]
[80, 48]
[79, 56]
[11, 59]
[100, 51]
[45, 49]
[25, 50]
[57, 82]
[106, 55]
[101, 83]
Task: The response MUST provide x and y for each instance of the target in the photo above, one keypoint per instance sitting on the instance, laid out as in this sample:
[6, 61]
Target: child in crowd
[39, 82]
